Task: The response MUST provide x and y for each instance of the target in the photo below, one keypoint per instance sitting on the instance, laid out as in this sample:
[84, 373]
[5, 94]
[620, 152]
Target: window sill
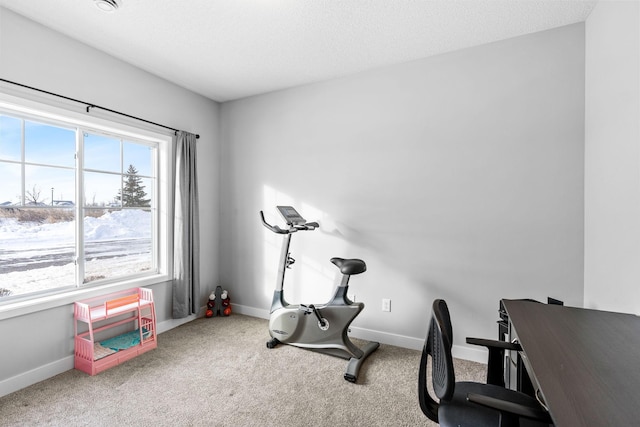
[32, 305]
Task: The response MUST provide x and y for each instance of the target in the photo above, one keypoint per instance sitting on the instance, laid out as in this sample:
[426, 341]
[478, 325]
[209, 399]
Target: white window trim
[68, 113]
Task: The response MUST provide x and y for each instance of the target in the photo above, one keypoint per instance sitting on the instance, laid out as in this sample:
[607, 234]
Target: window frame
[68, 115]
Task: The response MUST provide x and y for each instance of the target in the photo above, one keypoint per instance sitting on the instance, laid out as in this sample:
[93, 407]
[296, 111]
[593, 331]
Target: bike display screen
[290, 215]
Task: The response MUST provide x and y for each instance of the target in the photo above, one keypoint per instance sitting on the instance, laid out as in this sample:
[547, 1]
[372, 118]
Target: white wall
[41, 344]
[612, 158]
[458, 176]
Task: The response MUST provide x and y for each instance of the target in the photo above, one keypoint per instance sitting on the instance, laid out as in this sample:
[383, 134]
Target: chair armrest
[531, 412]
[504, 345]
[495, 367]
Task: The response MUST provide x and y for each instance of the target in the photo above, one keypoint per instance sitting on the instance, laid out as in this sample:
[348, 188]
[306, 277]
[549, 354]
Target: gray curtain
[186, 228]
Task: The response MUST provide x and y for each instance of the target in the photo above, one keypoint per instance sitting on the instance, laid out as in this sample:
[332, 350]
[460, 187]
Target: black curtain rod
[90, 105]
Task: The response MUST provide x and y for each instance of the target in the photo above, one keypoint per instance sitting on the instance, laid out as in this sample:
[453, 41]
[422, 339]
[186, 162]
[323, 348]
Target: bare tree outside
[33, 196]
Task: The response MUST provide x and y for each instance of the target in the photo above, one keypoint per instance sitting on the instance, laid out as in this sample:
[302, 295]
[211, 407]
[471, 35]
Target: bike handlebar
[292, 229]
[273, 228]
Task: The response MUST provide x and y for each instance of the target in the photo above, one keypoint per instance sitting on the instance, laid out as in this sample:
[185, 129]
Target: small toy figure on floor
[219, 303]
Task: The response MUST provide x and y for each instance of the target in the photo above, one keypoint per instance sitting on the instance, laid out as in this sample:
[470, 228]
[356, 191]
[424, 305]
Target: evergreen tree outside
[132, 194]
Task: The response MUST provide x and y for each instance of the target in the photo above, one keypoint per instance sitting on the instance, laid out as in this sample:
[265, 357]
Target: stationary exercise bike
[321, 328]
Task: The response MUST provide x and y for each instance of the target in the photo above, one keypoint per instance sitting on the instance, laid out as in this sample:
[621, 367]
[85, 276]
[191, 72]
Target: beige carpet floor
[219, 372]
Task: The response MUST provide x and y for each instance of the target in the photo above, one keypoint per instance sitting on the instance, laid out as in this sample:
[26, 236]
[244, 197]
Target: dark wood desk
[586, 363]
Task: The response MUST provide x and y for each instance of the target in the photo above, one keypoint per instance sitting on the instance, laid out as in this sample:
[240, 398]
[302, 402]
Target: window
[80, 203]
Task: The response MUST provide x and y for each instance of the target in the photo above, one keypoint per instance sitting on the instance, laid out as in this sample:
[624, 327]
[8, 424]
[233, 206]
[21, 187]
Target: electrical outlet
[386, 304]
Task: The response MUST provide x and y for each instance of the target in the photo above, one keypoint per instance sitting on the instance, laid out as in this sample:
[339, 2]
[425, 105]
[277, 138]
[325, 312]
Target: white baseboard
[36, 375]
[250, 311]
[461, 352]
[166, 325]
[49, 370]
[474, 354]
[387, 338]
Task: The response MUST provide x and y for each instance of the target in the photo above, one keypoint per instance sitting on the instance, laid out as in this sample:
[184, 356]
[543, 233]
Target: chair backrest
[437, 347]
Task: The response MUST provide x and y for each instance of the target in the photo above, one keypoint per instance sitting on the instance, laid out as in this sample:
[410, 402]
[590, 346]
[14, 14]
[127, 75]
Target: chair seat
[474, 415]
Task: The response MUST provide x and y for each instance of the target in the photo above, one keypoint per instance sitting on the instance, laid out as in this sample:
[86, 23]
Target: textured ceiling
[229, 49]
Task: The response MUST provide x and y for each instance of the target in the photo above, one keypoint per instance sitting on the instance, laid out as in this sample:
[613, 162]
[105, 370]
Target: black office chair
[468, 403]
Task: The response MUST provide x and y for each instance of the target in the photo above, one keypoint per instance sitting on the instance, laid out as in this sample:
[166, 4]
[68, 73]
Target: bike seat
[350, 266]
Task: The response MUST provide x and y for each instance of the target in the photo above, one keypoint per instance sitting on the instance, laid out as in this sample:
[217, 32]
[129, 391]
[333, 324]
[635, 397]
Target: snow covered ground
[36, 256]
